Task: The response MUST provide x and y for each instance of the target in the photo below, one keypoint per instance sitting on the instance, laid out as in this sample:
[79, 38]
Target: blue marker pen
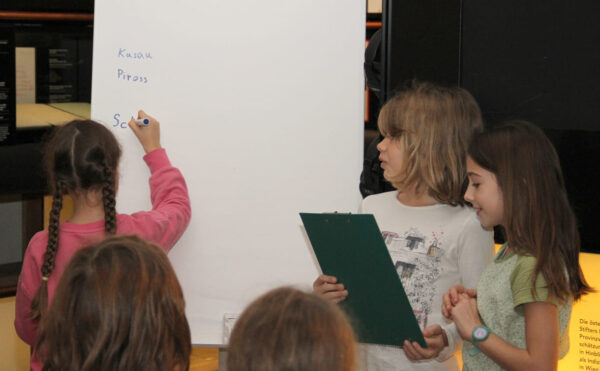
[142, 122]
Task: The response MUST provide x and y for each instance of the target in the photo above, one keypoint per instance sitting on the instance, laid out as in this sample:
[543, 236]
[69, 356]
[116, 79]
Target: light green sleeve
[521, 281]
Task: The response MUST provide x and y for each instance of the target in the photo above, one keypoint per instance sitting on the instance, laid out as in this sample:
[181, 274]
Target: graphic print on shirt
[417, 259]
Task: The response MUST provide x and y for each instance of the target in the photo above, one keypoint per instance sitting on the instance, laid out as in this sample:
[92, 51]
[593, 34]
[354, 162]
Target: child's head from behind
[432, 126]
[81, 157]
[118, 306]
[287, 329]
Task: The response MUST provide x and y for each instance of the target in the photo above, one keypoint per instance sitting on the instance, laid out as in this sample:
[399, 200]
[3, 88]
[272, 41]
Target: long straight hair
[538, 219]
[80, 156]
[118, 307]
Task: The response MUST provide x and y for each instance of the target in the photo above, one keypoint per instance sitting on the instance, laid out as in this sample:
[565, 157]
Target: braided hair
[82, 155]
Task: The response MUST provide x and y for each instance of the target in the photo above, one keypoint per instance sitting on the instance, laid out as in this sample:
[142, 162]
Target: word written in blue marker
[123, 75]
[118, 123]
[124, 53]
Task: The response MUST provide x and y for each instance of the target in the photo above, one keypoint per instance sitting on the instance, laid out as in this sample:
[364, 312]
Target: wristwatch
[480, 333]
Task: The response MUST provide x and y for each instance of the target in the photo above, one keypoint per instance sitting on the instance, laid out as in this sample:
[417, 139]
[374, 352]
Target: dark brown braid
[40, 302]
[108, 197]
[83, 155]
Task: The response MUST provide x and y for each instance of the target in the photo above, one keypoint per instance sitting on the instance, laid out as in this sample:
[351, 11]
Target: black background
[537, 60]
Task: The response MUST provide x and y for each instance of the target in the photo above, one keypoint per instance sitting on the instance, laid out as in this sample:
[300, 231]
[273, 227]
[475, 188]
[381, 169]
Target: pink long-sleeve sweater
[163, 225]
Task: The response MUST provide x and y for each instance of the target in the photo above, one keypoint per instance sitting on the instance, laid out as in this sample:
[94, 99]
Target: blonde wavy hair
[434, 126]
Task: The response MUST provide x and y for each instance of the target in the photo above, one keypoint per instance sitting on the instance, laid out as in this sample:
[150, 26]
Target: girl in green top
[518, 316]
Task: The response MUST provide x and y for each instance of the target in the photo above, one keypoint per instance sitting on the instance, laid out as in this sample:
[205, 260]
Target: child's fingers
[464, 296]
[432, 331]
[453, 296]
[131, 122]
[328, 287]
[446, 305]
[148, 135]
[422, 353]
[328, 279]
[142, 114]
[455, 291]
[323, 279]
[410, 351]
[336, 296]
[450, 299]
[415, 352]
[446, 300]
[133, 126]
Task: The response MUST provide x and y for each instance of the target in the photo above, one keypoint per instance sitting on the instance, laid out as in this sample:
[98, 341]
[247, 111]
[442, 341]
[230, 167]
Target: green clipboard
[351, 248]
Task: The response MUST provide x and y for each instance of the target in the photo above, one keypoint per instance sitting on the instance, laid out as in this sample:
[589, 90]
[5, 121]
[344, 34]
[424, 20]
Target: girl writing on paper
[82, 161]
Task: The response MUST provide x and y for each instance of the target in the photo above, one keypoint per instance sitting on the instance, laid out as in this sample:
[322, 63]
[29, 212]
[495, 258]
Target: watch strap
[479, 334]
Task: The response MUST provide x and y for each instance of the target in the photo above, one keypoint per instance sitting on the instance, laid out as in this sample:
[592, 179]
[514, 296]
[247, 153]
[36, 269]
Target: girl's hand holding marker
[147, 129]
[142, 122]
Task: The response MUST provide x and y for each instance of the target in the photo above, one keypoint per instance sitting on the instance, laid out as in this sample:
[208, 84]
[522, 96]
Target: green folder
[351, 248]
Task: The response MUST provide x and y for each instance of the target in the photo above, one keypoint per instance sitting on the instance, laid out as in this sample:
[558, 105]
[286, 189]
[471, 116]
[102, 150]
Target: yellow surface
[584, 331]
[14, 353]
[78, 109]
[204, 359]
[35, 115]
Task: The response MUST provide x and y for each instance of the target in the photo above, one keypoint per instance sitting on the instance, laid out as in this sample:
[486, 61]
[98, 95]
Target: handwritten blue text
[124, 75]
[118, 123]
[124, 53]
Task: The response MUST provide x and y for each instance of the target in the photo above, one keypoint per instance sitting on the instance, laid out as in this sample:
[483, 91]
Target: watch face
[480, 333]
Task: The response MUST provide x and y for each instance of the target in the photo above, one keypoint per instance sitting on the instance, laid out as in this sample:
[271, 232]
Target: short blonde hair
[434, 126]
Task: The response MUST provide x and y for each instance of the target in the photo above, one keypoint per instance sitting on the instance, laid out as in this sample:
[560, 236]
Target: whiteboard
[261, 107]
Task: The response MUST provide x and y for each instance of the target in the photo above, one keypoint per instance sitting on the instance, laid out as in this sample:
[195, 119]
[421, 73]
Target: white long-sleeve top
[433, 248]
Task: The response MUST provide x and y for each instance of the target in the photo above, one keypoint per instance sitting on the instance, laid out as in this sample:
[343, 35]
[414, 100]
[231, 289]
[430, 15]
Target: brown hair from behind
[538, 218]
[434, 125]
[287, 329]
[118, 306]
[80, 156]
